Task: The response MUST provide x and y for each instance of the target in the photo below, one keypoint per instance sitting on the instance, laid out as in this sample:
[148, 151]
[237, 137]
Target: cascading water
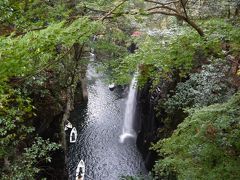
[97, 123]
[128, 130]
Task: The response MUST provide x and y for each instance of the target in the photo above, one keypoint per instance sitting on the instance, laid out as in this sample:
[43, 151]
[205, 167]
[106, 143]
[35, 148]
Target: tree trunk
[237, 10]
[229, 11]
[182, 10]
[195, 26]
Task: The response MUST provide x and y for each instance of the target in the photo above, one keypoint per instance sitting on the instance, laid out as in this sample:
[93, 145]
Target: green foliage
[161, 57]
[16, 112]
[37, 50]
[111, 47]
[23, 60]
[211, 85]
[205, 145]
[24, 55]
[30, 14]
[24, 167]
[202, 147]
[211, 8]
[140, 177]
[15, 109]
[112, 44]
[131, 178]
[224, 30]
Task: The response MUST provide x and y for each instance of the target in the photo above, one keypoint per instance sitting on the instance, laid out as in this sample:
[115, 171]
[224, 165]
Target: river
[99, 125]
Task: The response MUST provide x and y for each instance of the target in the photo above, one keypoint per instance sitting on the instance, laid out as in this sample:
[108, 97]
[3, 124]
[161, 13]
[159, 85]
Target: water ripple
[99, 125]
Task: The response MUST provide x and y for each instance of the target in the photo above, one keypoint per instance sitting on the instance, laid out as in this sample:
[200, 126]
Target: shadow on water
[99, 124]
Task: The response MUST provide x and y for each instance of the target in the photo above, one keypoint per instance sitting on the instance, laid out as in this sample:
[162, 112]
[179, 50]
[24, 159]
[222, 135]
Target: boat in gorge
[120, 90]
[80, 172]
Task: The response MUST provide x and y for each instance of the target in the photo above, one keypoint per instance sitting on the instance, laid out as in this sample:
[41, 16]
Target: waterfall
[128, 130]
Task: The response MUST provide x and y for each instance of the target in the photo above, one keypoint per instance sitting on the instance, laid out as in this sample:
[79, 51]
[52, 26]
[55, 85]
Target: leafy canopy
[206, 145]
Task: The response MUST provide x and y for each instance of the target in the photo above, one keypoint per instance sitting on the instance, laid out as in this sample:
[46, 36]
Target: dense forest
[186, 52]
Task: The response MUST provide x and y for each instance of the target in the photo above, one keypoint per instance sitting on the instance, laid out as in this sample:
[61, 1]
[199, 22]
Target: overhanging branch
[163, 7]
[166, 13]
[111, 11]
[183, 4]
[163, 4]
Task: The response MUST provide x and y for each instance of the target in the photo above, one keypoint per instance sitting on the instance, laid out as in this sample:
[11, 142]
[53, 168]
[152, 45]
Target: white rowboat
[80, 170]
[68, 125]
[73, 135]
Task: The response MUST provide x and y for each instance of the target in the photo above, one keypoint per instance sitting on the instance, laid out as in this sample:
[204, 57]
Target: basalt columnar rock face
[153, 119]
[147, 125]
[150, 122]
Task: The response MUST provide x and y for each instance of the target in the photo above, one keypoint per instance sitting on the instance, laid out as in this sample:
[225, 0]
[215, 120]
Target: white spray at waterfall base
[128, 130]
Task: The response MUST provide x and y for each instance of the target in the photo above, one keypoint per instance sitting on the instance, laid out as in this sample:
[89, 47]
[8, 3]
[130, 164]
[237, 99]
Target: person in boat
[79, 176]
[80, 173]
[80, 170]
[73, 136]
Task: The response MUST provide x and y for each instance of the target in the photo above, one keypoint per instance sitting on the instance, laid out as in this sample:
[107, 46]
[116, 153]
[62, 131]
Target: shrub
[206, 145]
[211, 85]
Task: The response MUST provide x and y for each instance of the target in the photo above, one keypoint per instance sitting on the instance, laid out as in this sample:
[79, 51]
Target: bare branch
[111, 11]
[163, 4]
[17, 33]
[166, 13]
[186, 2]
[95, 10]
[163, 7]
[183, 4]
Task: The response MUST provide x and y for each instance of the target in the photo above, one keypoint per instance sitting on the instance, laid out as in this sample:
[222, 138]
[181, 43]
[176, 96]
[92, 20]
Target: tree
[36, 39]
[174, 8]
[204, 146]
[36, 36]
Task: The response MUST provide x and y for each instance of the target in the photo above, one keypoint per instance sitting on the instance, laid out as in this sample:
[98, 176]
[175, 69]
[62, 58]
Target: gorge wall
[151, 123]
[63, 87]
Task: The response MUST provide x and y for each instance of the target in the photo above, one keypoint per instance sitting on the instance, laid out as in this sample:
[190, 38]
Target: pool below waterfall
[99, 124]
